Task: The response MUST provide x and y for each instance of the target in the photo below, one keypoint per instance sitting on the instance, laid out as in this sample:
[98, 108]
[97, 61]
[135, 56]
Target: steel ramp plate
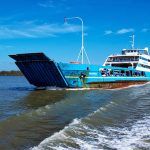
[40, 70]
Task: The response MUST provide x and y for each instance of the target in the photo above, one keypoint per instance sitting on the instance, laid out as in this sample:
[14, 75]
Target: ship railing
[131, 60]
[121, 73]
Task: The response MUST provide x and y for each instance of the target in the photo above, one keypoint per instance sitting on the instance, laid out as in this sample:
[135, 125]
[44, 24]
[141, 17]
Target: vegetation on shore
[10, 73]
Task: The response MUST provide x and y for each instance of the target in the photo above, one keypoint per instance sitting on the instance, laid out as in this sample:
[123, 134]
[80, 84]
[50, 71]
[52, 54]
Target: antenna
[132, 42]
[82, 51]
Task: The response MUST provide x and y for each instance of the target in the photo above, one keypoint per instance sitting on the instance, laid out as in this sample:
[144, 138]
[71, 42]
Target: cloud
[120, 31]
[6, 46]
[6, 32]
[107, 32]
[124, 31]
[58, 5]
[53, 29]
[47, 4]
[32, 30]
[145, 30]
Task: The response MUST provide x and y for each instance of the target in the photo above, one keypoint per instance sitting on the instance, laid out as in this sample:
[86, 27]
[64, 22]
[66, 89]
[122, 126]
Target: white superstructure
[135, 58]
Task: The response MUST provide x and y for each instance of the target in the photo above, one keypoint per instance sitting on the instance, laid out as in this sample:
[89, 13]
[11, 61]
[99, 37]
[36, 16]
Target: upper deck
[127, 58]
[133, 52]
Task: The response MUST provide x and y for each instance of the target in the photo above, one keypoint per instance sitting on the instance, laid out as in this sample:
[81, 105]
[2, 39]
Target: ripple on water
[79, 135]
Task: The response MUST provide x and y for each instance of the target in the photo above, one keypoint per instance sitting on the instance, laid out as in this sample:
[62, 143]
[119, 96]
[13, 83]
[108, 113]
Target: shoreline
[11, 73]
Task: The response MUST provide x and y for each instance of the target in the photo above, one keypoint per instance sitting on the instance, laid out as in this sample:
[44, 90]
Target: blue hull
[42, 71]
[90, 76]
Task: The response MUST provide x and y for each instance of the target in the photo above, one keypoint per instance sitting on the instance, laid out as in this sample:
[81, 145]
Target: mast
[82, 51]
[133, 40]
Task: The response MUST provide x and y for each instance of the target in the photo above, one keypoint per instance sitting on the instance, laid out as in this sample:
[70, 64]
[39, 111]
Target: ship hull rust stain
[114, 85]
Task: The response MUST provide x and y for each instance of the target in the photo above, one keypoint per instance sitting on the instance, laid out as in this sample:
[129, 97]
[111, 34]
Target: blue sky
[38, 26]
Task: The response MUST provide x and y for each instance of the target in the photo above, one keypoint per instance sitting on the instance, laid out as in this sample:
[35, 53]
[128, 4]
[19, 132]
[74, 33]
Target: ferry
[131, 67]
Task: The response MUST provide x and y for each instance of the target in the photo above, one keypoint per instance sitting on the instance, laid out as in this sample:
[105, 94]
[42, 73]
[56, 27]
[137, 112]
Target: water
[73, 119]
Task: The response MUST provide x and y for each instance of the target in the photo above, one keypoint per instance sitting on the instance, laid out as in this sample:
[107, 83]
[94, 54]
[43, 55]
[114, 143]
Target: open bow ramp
[40, 70]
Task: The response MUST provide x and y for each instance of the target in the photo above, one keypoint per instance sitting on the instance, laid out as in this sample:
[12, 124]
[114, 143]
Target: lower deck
[93, 76]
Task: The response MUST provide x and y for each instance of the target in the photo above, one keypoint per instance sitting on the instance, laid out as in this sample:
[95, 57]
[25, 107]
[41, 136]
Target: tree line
[11, 73]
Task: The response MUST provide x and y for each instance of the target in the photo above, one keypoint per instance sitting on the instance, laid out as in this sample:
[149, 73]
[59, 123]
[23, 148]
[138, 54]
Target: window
[145, 59]
[145, 66]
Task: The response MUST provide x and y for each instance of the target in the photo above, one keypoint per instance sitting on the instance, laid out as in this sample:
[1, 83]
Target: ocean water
[69, 119]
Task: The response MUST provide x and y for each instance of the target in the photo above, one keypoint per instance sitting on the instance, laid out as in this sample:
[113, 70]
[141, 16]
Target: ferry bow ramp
[40, 70]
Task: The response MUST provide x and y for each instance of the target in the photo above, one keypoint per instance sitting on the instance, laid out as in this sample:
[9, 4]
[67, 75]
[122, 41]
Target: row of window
[121, 59]
[127, 59]
[145, 59]
[145, 66]
[135, 51]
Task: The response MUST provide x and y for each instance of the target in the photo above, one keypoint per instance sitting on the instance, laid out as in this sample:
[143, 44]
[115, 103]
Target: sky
[38, 26]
